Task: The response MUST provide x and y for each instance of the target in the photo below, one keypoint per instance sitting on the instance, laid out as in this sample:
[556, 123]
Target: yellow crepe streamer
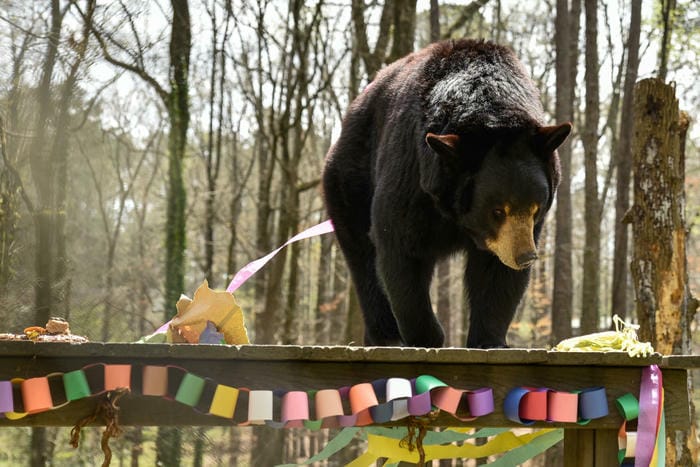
[623, 338]
[382, 446]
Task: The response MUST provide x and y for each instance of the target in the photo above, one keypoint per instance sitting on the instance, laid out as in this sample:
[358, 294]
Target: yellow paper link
[224, 402]
[15, 415]
[381, 446]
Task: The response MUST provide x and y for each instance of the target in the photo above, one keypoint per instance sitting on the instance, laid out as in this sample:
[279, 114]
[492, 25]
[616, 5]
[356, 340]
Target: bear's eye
[499, 214]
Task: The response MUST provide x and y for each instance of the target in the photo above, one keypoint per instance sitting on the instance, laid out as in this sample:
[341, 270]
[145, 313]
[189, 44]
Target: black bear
[445, 151]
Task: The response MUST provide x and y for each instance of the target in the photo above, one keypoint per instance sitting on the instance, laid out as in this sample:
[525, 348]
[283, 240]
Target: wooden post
[659, 264]
[658, 221]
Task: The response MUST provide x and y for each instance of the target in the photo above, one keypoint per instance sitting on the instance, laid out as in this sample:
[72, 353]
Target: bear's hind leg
[348, 206]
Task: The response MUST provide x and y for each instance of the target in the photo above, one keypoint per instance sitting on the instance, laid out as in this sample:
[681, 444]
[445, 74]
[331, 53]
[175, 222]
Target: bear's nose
[526, 259]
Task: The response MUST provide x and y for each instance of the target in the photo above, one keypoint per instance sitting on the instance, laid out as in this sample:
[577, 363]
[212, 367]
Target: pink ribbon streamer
[254, 266]
[649, 404]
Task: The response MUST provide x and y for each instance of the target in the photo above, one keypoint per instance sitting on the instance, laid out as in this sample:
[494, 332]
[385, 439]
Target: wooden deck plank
[306, 368]
[330, 353]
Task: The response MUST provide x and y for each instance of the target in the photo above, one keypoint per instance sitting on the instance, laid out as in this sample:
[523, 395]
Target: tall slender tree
[620, 302]
[175, 98]
[589, 136]
[566, 44]
[668, 11]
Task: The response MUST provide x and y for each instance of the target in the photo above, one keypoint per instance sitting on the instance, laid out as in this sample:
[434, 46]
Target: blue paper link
[511, 405]
[593, 403]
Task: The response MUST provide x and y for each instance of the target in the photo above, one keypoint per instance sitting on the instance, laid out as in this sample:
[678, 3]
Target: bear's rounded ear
[549, 138]
[443, 144]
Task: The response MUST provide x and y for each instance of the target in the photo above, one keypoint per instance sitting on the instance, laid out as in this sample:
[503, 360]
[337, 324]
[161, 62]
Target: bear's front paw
[429, 339]
[488, 345]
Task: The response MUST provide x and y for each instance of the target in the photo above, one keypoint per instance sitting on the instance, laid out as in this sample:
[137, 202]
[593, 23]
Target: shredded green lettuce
[623, 338]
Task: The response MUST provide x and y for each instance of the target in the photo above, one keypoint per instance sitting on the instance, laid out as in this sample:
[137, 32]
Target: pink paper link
[254, 266]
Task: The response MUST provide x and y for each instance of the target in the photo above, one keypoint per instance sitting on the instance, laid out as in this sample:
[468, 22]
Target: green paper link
[190, 389]
[76, 385]
[427, 383]
[628, 405]
[313, 424]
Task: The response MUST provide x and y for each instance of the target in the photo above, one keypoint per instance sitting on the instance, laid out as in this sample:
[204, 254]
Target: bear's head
[497, 189]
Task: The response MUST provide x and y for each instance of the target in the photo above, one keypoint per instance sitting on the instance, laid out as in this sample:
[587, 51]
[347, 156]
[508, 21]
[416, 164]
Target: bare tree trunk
[590, 302]
[340, 317]
[566, 36]
[444, 311]
[42, 177]
[354, 330]
[620, 303]
[324, 308]
[59, 157]
[372, 60]
[404, 29]
[668, 8]
[566, 44]
[38, 448]
[135, 438]
[10, 182]
[168, 444]
[213, 152]
[443, 270]
[434, 20]
[659, 263]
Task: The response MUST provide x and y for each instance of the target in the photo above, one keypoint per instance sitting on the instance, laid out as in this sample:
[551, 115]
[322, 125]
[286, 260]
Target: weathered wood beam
[306, 368]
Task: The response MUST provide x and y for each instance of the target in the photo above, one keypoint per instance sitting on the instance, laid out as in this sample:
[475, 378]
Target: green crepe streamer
[341, 440]
[530, 450]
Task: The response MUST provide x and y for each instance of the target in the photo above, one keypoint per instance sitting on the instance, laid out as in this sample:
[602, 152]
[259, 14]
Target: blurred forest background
[147, 146]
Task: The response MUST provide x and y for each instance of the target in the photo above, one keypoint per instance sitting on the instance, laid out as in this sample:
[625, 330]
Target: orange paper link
[36, 395]
[117, 376]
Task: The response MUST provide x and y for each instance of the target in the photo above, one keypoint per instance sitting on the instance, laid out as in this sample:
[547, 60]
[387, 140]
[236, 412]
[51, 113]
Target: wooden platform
[305, 368]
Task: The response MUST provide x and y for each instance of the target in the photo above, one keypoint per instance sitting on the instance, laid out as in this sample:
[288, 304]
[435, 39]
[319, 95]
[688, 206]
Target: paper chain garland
[379, 401]
[528, 405]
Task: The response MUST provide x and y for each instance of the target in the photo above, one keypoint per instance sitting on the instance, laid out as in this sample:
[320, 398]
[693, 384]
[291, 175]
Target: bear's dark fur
[445, 151]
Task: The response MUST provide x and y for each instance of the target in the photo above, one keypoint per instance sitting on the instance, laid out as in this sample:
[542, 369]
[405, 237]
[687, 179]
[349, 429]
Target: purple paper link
[254, 266]
[480, 402]
[211, 335]
[347, 420]
[649, 400]
[420, 404]
[6, 400]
